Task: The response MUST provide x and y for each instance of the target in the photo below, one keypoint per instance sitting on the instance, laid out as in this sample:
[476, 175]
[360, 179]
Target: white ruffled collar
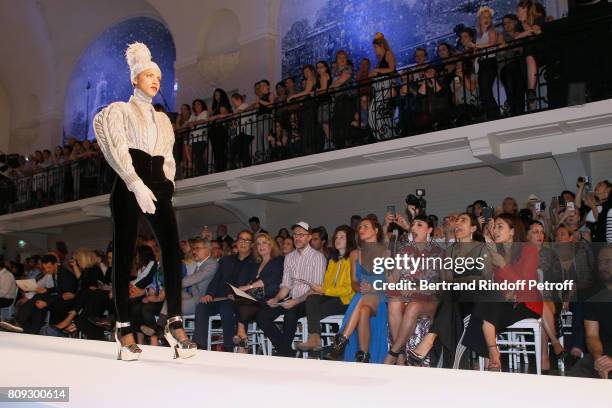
[142, 98]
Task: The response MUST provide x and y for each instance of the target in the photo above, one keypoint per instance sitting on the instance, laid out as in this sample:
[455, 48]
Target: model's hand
[144, 197]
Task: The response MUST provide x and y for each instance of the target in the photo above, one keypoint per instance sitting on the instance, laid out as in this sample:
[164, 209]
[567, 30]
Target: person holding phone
[406, 307]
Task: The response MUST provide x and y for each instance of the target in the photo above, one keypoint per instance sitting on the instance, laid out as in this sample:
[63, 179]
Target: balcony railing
[412, 100]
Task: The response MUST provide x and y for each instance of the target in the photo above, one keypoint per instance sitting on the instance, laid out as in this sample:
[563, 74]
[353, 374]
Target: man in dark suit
[233, 269]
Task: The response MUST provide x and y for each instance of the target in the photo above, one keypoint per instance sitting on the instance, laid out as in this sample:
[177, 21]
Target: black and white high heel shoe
[130, 352]
[183, 348]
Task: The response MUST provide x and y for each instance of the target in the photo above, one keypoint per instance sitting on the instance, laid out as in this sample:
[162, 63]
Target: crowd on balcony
[304, 272]
[334, 105]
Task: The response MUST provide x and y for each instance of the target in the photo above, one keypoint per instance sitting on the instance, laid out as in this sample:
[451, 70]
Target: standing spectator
[281, 92]
[302, 268]
[363, 78]
[381, 110]
[344, 104]
[532, 17]
[290, 86]
[487, 64]
[219, 139]
[58, 156]
[511, 67]
[197, 138]
[465, 92]
[241, 144]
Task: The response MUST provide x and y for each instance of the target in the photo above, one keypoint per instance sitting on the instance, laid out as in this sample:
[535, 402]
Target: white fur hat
[138, 58]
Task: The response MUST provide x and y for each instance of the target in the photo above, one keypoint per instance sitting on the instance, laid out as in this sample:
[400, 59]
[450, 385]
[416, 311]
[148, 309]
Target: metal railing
[464, 89]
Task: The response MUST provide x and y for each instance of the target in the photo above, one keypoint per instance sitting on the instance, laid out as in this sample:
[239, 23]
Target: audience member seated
[302, 268]
[92, 297]
[263, 284]
[363, 336]
[513, 259]
[195, 284]
[8, 293]
[334, 295]
[597, 361]
[406, 307]
[233, 270]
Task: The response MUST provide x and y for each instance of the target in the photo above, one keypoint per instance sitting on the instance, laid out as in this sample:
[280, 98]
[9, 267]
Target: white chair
[189, 325]
[515, 341]
[6, 313]
[329, 329]
[215, 331]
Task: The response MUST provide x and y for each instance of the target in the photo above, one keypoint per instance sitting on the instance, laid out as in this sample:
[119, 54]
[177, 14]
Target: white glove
[144, 197]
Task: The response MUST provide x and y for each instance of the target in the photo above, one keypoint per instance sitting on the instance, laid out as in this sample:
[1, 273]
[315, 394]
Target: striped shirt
[309, 265]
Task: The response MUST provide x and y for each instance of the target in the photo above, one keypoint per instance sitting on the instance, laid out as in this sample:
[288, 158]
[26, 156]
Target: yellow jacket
[342, 286]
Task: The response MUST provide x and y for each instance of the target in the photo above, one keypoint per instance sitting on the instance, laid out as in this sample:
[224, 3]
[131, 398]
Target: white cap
[138, 58]
[301, 224]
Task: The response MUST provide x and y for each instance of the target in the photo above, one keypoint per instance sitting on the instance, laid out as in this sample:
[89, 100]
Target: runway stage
[215, 379]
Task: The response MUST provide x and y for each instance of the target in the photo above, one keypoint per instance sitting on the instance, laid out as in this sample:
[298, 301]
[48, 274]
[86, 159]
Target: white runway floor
[214, 379]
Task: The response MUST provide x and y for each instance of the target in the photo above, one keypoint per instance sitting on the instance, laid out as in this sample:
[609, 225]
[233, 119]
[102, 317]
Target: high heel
[337, 350]
[182, 348]
[414, 360]
[130, 352]
[362, 357]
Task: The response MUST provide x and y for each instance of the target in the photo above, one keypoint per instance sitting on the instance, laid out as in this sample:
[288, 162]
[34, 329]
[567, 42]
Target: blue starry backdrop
[314, 30]
[102, 75]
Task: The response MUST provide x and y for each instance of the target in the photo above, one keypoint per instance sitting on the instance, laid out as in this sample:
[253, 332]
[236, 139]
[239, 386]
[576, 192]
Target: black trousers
[514, 84]
[281, 340]
[487, 72]
[126, 214]
[319, 307]
[227, 310]
[31, 318]
[198, 150]
[4, 302]
[499, 314]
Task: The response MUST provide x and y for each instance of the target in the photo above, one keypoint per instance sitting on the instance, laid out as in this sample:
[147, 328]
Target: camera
[587, 182]
[420, 193]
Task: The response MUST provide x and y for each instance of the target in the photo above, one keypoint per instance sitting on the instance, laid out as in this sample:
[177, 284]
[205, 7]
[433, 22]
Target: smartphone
[538, 206]
[488, 213]
[561, 201]
[570, 206]
[391, 209]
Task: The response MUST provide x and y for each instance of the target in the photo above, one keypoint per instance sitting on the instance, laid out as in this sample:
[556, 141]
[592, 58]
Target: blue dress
[379, 327]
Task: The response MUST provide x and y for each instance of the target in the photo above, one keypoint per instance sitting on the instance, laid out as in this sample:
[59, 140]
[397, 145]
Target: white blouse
[134, 125]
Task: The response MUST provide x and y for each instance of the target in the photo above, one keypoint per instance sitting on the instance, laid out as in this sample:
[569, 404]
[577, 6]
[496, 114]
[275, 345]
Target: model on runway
[137, 143]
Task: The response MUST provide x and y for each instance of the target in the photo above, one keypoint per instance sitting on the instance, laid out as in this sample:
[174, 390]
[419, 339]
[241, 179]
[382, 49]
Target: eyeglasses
[240, 239]
[300, 235]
